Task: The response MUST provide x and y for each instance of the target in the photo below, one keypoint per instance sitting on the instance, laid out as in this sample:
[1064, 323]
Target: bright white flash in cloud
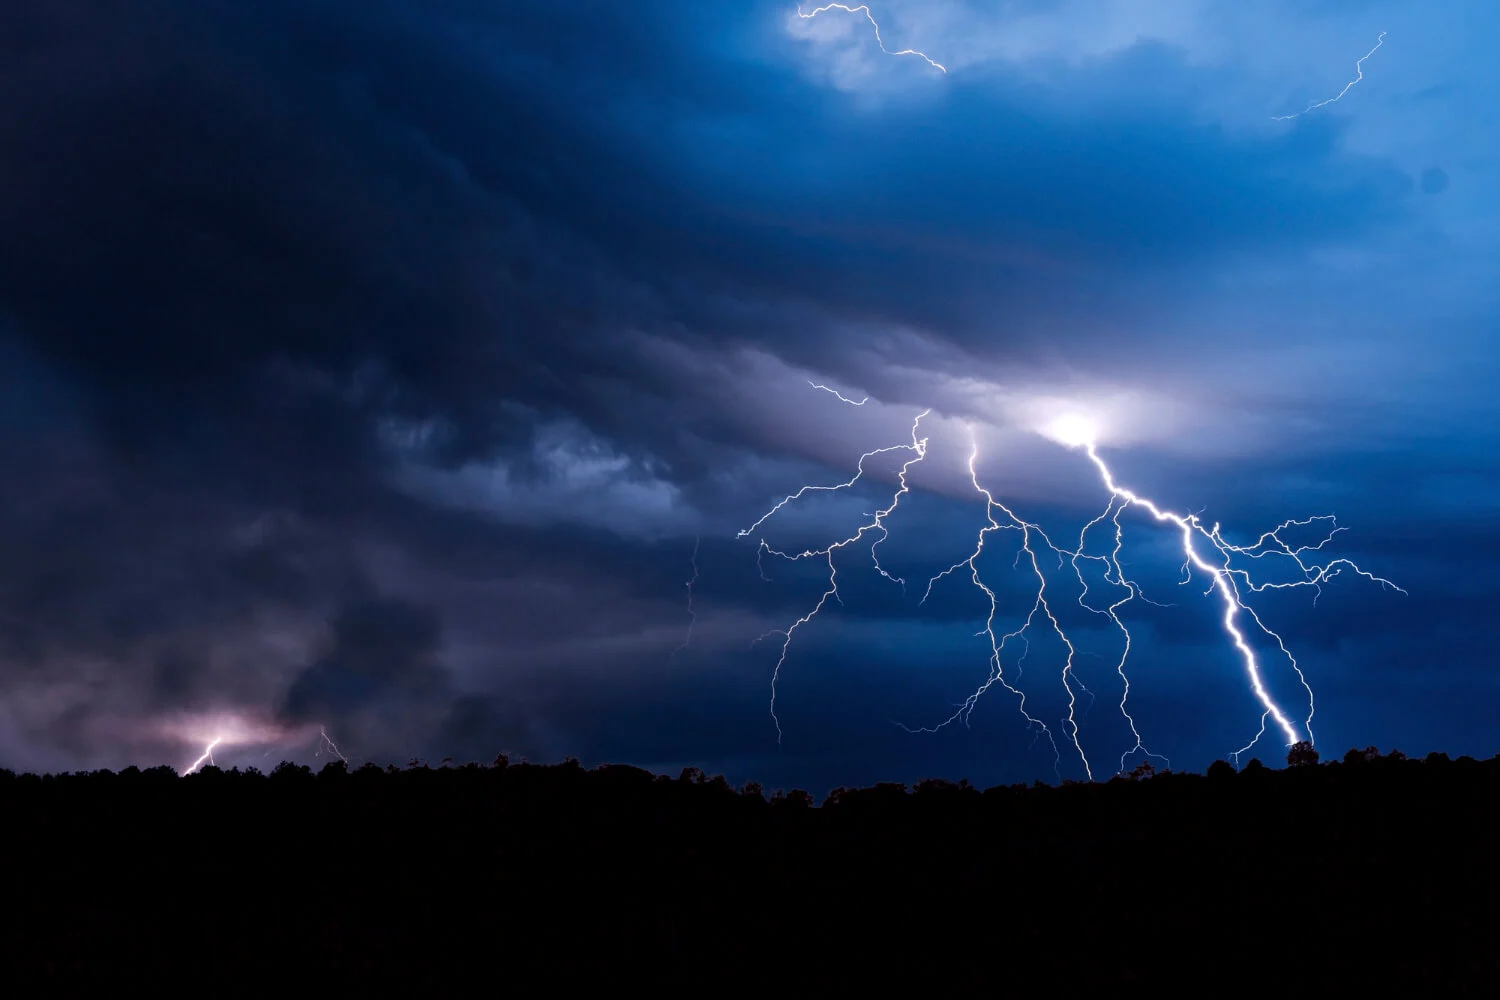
[865, 10]
[1359, 74]
[1205, 551]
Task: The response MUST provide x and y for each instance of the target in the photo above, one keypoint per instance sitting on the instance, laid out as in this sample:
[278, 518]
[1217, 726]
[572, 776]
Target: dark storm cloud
[383, 653]
[245, 248]
[301, 216]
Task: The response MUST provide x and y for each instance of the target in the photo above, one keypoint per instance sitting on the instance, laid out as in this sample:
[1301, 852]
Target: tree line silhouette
[1375, 869]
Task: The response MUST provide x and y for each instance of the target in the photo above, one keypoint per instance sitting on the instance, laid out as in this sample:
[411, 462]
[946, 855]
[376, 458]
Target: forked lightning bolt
[1359, 74]
[1227, 579]
[865, 10]
[1204, 549]
[918, 449]
[998, 643]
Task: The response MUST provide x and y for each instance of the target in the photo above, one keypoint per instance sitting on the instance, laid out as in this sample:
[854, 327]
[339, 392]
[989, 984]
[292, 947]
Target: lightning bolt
[998, 643]
[1227, 579]
[840, 395]
[238, 734]
[918, 449]
[865, 10]
[327, 744]
[1359, 74]
[207, 755]
[692, 614]
[1204, 549]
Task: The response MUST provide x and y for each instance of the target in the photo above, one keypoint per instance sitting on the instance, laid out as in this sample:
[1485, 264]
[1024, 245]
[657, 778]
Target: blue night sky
[378, 367]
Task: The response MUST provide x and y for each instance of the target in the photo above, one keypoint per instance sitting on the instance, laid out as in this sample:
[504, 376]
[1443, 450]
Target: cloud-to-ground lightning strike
[918, 449]
[208, 755]
[1225, 576]
[1359, 74]
[865, 10]
[1204, 549]
[330, 746]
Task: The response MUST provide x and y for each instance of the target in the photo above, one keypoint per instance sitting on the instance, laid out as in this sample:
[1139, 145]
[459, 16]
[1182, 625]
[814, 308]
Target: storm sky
[379, 366]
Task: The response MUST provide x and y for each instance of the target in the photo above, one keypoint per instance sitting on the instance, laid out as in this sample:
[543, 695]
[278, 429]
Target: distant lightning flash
[865, 10]
[1359, 74]
[232, 730]
[1204, 549]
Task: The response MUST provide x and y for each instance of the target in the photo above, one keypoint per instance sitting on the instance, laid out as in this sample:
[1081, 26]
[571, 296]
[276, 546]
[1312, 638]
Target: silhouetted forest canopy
[1375, 869]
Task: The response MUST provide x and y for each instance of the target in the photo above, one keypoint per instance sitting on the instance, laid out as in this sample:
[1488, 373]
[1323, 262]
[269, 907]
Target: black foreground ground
[1370, 873]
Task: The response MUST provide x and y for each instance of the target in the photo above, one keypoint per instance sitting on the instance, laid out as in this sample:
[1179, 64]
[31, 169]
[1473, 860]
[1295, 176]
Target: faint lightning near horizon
[1359, 74]
[1205, 550]
[234, 731]
[865, 10]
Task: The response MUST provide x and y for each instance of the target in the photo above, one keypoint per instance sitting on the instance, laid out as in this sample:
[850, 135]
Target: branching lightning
[1227, 579]
[865, 10]
[918, 449]
[1359, 74]
[1205, 550]
[998, 643]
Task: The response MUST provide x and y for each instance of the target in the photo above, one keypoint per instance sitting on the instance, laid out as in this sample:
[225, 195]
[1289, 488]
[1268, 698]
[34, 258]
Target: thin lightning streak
[865, 10]
[1112, 565]
[328, 744]
[1359, 71]
[918, 448]
[840, 395]
[858, 474]
[692, 613]
[1254, 740]
[997, 645]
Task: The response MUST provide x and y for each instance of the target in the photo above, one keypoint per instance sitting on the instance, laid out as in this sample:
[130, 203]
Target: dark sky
[378, 365]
